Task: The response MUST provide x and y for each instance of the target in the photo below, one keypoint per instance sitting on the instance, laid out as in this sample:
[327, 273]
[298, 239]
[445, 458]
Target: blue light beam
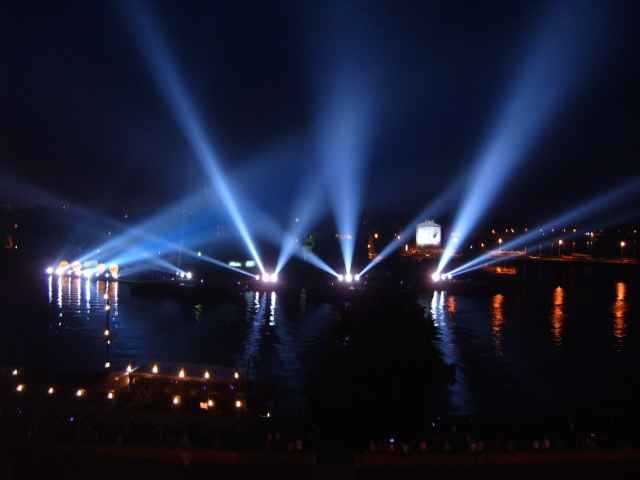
[559, 58]
[432, 210]
[165, 73]
[579, 213]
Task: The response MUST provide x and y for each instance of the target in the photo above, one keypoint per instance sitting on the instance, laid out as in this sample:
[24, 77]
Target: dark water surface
[552, 340]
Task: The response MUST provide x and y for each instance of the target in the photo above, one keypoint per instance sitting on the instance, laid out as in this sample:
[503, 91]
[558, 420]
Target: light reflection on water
[497, 321]
[262, 333]
[620, 309]
[558, 316]
[442, 318]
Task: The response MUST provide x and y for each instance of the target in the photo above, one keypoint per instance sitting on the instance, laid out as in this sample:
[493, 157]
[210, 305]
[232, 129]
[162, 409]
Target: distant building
[428, 234]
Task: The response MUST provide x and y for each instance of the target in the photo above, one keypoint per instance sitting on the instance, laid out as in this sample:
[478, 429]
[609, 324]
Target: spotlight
[348, 278]
[357, 277]
[189, 275]
[269, 278]
[341, 278]
[49, 270]
[435, 276]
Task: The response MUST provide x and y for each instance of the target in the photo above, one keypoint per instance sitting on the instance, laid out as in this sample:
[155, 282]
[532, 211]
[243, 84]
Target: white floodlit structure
[428, 233]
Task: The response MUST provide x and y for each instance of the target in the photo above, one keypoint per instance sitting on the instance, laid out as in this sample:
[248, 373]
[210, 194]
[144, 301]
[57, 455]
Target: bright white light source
[189, 275]
[110, 395]
[207, 375]
[51, 391]
[107, 364]
[274, 277]
[435, 276]
[181, 373]
[236, 375]
[348, 278]
[20, 388]
[154, 369]
[341, 278]
[176, 400]
[357, 278]
[15, 372]
[49, 270]
[129, 368]
[238, 403]
[80, 392]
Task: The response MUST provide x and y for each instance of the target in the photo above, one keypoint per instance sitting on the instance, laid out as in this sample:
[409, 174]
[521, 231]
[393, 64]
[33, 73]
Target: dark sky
[81, 116]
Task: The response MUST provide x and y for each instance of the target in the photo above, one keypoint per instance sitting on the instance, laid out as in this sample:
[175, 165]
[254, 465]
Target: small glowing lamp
[80, 392]
[107, 307]
[110, 395]
[210, 403]
[154, 369]
[107, 364]
[181, 373]
[176, 400]
[238, 403]
[189, 275]
[20, 387]
[106, 332]
[51, 391]
[207, 375]
[15, 372]
[236, 375]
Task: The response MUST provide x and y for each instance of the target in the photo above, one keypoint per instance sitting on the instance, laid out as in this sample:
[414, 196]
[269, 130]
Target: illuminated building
[428, 233]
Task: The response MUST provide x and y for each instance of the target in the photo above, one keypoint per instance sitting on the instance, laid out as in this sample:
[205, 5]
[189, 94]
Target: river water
[553, 340]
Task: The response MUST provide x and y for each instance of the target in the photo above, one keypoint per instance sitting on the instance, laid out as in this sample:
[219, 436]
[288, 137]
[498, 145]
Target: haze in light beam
[440, 204]
[165, 73]
[560, 57]
[579, 213]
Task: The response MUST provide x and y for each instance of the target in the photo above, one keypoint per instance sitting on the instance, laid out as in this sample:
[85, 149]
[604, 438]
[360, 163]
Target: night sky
[82, 118]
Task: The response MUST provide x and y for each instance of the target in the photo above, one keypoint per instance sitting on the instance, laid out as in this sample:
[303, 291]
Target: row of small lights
[176, 400]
